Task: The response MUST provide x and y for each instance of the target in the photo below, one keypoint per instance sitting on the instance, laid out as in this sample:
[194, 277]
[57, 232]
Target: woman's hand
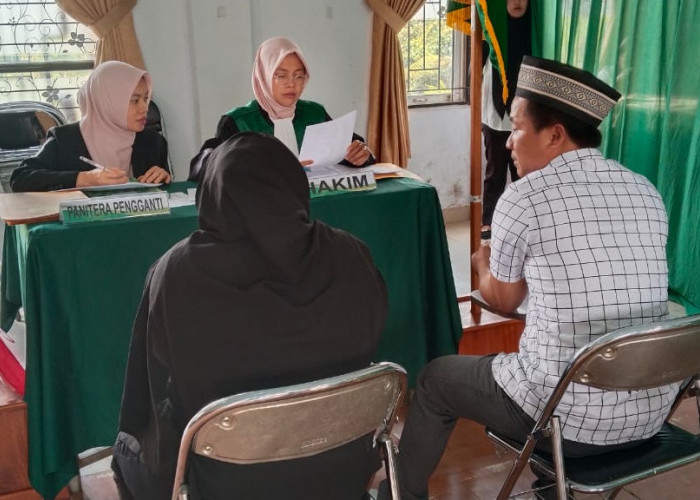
[155, 175]
[101, 177]
[357, 153]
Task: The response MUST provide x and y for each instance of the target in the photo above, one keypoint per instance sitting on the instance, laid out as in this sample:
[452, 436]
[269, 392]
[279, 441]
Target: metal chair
[154, 119]
[155, 122]
[629, 359]
[23, 127]
[297, 421]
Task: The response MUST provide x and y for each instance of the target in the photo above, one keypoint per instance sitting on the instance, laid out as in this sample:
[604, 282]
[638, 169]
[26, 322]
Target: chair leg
[390, 464]
[184, 493]
[613, 494]
[517, 468]
[558, 453]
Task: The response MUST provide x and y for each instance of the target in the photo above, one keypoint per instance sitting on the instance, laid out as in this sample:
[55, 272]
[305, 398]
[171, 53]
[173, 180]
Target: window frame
[44, 32]
[458, 92]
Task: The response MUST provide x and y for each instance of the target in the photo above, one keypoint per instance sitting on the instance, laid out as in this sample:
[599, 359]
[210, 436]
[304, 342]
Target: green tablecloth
[80, 286]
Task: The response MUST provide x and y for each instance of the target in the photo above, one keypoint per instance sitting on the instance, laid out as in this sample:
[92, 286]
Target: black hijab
[260, 296]
[519, 44]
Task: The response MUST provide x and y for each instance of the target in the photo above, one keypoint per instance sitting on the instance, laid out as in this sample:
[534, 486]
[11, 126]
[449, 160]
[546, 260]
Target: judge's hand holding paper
[325, 144]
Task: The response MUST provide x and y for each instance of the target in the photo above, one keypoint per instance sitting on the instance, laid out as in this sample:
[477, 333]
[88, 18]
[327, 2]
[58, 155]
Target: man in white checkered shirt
[586, 238]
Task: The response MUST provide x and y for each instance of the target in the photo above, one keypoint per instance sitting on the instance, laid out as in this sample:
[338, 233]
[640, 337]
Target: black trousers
[498, 164]
[133, 478]
[453, 387]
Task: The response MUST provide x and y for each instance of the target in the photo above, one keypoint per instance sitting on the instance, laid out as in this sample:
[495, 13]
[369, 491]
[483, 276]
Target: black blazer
[57, 165]
[227, 128]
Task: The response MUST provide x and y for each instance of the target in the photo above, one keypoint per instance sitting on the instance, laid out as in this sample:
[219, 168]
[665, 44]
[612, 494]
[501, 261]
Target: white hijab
[270, 55]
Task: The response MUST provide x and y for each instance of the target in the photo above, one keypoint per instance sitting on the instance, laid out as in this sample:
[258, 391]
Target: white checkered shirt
[589, 237]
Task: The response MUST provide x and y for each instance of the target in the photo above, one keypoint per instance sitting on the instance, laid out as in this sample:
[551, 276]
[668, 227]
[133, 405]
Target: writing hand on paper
[155, 175]
[357, 153]
[101, 177]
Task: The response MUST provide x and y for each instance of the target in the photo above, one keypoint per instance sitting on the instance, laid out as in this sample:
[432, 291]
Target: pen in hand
[91, 162]
[99, 175]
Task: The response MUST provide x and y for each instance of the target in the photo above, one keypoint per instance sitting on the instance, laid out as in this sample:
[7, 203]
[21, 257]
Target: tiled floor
[460, 254]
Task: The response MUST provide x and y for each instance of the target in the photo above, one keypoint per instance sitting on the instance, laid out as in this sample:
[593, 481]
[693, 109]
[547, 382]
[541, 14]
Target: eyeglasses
[287, 79]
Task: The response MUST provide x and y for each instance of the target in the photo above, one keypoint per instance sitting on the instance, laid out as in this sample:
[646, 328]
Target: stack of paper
[390, 171]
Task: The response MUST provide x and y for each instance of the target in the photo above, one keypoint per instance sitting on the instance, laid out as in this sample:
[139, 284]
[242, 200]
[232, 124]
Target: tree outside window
[435, 58]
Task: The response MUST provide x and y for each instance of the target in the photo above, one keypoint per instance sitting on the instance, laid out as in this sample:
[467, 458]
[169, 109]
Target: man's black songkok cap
[570, 90]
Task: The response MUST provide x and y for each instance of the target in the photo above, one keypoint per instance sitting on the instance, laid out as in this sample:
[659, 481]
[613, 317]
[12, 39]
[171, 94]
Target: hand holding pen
[99, 175]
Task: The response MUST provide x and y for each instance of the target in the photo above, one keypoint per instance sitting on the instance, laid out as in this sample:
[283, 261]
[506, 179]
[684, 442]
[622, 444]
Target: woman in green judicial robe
[280, 74]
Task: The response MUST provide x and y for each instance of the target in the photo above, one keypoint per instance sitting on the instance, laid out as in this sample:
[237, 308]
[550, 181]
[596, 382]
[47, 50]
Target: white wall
[166, 40]
[440, 145]
[200, 55]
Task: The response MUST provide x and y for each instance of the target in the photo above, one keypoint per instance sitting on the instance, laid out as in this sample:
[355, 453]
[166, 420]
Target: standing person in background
[280, 74]
[495, 124]
[114, 105]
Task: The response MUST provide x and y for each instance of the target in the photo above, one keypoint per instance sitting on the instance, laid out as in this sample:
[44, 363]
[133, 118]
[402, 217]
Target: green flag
[493, 15]
[458, 16]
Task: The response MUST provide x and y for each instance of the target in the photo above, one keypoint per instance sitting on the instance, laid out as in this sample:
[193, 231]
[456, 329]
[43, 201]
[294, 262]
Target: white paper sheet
[117, 187]
[315, 171]
[180, 199]
[385, 168]
[325, 143]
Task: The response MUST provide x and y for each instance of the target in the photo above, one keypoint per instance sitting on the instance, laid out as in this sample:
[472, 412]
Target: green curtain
[648, 50]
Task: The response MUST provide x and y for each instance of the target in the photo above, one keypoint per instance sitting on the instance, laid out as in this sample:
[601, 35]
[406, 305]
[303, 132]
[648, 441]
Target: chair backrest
[154, 120]
[23, 126]
[636, 357]
[294, 421]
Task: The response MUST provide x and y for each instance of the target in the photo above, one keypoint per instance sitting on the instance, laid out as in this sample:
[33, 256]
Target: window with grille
[435, 58]
[45, 55]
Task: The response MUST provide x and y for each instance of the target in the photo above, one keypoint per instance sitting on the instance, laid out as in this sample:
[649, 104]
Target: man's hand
[481, 258]
[101, 177]
[500, 295]
[155, 175]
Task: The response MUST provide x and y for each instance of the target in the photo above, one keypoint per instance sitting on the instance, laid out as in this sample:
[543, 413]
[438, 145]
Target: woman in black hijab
[260, 296]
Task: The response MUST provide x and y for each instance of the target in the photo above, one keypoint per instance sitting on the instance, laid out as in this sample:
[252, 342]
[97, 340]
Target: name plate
[114, 207]
[348, 181]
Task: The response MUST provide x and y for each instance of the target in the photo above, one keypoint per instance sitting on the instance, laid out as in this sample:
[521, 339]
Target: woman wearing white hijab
[280, 74]
[114, 104]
